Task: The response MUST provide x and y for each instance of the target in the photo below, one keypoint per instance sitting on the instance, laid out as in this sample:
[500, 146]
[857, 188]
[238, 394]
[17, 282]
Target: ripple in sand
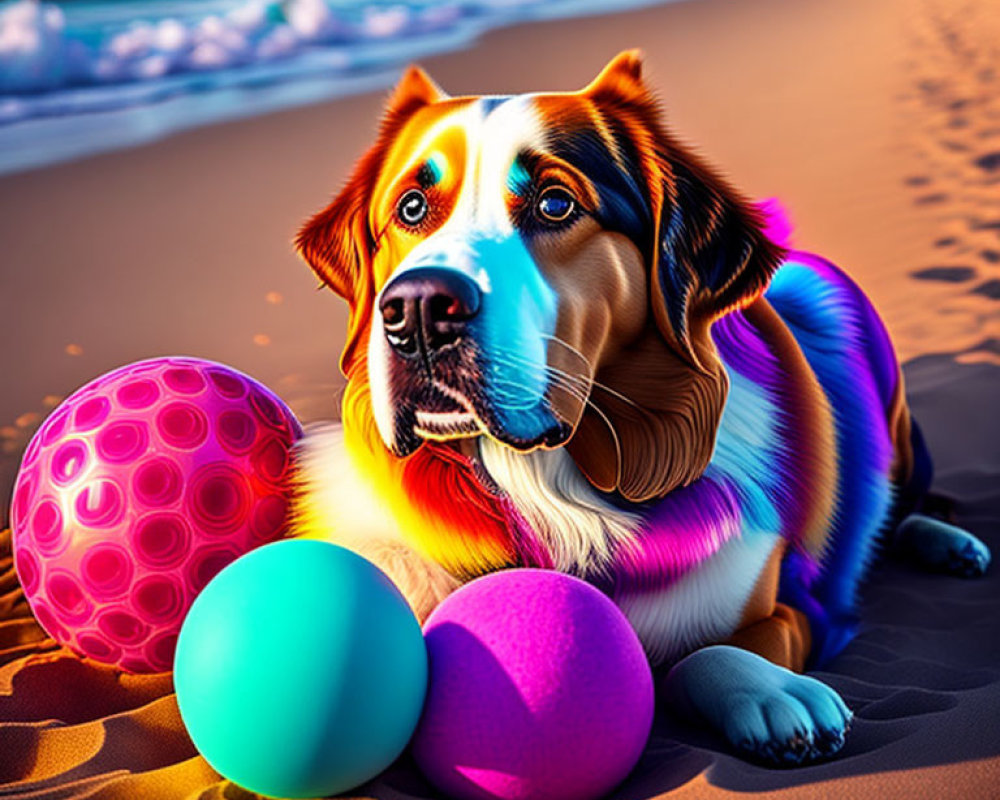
[916, 673]
[945, 274]
[908, 702]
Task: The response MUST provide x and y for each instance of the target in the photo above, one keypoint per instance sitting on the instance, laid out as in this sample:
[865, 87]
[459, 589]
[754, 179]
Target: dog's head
[543, 270]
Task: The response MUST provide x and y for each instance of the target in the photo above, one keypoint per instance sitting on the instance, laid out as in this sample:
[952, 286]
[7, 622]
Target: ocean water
[86, 76]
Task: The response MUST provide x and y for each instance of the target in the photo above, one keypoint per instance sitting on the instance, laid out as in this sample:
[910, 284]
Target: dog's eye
[412, 208]
[555, 204]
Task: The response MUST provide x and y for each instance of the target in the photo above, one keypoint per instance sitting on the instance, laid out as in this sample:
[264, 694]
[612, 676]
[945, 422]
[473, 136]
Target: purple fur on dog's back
[539, 688]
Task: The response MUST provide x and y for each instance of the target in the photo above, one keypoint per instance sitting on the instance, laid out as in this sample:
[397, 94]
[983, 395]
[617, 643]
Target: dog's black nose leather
[430, 305]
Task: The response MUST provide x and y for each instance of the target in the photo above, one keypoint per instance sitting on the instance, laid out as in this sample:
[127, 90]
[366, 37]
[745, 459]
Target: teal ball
[300, 670]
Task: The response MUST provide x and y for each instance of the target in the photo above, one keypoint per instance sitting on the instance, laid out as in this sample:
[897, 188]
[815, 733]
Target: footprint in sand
[945, 274]
[989, 162]
[977, 224]
[952, 111]
[990, 289]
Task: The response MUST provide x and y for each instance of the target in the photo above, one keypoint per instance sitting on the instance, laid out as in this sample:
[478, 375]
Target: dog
[573, 345]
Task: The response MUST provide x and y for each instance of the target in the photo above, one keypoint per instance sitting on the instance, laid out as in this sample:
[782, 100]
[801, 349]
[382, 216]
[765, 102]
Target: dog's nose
[432, 304]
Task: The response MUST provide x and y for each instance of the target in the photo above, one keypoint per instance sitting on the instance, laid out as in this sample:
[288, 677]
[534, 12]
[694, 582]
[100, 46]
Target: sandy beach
[878, 127]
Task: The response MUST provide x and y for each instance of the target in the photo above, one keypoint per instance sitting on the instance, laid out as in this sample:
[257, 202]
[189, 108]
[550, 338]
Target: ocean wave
[142, 69]
[40, 52]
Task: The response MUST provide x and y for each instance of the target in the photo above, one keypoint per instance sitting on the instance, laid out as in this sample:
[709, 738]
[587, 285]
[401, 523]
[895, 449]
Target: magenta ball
[136, 491]
[538, 688]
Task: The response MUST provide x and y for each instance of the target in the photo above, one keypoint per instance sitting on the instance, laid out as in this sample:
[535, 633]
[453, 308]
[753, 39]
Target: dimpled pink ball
[538, 690]
[136, 491]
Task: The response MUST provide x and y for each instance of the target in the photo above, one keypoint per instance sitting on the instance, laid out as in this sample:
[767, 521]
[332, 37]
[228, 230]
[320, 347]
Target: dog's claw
[796, 750]
[830, 741]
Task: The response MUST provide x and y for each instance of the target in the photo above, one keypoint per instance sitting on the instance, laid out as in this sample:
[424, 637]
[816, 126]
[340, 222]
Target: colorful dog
[572, 345]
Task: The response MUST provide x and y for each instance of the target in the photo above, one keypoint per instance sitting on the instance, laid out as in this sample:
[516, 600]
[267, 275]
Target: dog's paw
[969, 561]
[942, 547]
[766, 712]
[803, 720]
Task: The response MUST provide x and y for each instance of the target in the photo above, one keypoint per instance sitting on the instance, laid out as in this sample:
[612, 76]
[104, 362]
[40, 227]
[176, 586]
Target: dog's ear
[621, 78]
[337, 241]
[710, 254]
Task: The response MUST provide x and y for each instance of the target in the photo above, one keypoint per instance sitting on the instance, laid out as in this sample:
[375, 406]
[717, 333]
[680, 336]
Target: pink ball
[136, 491]
[539, 688]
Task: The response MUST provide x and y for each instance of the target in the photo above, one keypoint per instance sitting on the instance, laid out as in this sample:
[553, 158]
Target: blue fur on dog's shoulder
[837, 329]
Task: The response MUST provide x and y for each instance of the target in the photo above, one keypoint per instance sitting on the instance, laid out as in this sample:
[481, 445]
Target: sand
[877, 124]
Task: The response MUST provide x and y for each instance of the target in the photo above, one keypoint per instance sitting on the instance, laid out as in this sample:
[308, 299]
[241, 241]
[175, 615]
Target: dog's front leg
[764, 710]
[422, 582]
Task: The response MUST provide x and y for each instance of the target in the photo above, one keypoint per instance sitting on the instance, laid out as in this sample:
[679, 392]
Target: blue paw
[942, 547]
[765, 711]
[971, 561]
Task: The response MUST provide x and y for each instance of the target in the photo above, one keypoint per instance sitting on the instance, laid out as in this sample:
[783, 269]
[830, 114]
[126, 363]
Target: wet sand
[878, 126]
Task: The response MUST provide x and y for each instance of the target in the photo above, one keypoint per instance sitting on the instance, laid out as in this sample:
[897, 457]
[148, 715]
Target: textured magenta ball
[136, 491]
[538, 689]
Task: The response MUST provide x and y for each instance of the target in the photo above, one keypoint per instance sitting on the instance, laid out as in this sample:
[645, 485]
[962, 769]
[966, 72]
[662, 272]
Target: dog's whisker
[583, 380]
[556, 381]
[605, 388]
[578, 394]
[504, 358]
[571, 349]
[514, 360]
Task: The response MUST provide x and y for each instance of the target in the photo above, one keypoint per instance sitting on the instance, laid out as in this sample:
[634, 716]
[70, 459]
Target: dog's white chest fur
[705, 605]
[583, 531]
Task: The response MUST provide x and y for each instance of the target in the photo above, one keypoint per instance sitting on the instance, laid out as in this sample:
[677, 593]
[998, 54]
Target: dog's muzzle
[425, 309]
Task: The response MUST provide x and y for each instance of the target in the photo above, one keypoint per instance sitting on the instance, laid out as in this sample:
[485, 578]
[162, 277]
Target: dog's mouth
[445, 425]
[464, 418]
[429, 408]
